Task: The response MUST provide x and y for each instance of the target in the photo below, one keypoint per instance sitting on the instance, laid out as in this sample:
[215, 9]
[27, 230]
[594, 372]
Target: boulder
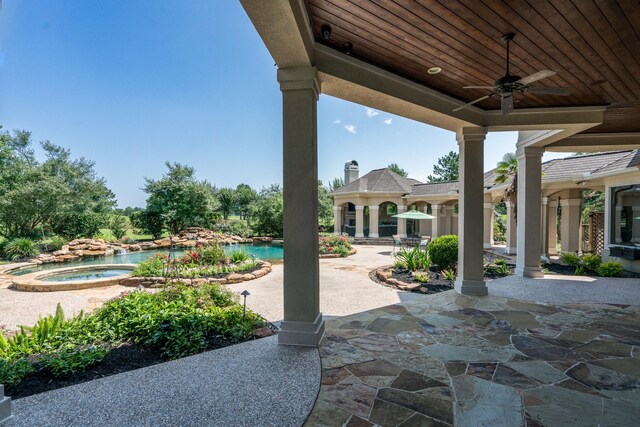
[198, 282]
[248, 276]
[135, 248]
[219, 281]
[234, 278]
[93, 253]
[262, 332]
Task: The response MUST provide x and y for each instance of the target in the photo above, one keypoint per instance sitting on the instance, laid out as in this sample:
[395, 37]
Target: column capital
[359, 208]
[529, 152]
[374, 208]
[299, 78]
[471, 134]
[545, 200]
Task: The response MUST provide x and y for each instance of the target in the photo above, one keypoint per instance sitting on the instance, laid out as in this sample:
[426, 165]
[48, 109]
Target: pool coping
[32, 282]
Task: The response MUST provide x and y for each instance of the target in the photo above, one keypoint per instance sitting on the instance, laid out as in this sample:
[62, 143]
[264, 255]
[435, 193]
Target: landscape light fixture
[245, 294]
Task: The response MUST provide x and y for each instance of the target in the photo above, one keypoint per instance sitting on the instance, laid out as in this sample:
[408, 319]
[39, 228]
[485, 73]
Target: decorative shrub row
[338, 245]
[593, 264]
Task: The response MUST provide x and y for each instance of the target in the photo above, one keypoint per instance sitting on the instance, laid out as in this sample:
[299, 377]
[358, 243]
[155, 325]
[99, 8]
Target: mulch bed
[126, 357]
[403, 280]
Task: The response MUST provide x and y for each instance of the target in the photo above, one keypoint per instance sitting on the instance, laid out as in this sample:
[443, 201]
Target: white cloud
[337, 122]
[371, 112]
[387, 121]
[350, 128]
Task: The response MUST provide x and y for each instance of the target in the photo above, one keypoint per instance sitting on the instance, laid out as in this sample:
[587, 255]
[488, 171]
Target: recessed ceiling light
[434, 70]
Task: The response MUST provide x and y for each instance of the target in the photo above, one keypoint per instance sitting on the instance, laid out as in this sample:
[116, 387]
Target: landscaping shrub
[176, 321]
[591, 262]
[570, 258]
[421, 277]
[239, 256]
[414, 259]
[212, 254]
[443, 251]
[333, 244]
[56, 243]
[610, 269]
[235, 227]
[449, 274]
[150, 267]
[20, 248]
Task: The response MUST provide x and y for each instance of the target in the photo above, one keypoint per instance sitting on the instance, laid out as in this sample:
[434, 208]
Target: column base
[471, 287]
[306, 334]
[551, 251]
[510, 251]
[5, 408]
[374, 235]
[529, 272]
[359, 235]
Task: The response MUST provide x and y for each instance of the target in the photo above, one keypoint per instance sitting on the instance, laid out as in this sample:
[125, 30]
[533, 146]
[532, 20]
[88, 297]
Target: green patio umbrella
[413, 215]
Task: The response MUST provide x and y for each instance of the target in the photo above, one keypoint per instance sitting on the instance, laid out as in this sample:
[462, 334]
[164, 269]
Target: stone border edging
[384, 273]
[33, 282]
[158, 282]
[353, 251]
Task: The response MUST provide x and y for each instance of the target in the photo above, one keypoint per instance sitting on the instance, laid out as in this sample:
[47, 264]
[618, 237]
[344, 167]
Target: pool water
[262, 251]
[84, 275]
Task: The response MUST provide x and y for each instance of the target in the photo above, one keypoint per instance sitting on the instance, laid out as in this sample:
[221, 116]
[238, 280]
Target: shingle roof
[434, 188]
[379, 181]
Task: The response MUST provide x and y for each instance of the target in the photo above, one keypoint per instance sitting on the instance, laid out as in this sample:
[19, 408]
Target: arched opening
[349, 219]
[387, 224]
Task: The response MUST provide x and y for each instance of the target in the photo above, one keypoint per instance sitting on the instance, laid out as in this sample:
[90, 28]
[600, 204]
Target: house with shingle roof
[364, 206]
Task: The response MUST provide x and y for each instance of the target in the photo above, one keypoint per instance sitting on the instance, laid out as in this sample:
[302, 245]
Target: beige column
[402, 223]
[618, 223]
[512, 232]
[359, 221]
[470, 279]
[488, 222]
[635, 224]
[424, 224]
[448, 220]
[570, 224]
[435, 222]
[337, 220]
[529, 210]
[373, 221]
[544, 228]
[5, 405]
[303, 323]
[552, 228]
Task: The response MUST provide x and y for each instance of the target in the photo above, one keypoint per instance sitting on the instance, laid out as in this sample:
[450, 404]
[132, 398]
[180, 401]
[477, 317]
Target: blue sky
[133, 84]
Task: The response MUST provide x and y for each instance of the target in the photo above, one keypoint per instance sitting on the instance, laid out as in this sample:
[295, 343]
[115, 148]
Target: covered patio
[414, 60]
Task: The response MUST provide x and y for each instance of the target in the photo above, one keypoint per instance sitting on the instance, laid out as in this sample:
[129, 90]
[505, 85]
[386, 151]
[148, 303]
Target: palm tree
[508, 168]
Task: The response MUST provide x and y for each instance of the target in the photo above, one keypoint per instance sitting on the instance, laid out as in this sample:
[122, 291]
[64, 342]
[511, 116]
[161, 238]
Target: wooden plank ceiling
[593, 45]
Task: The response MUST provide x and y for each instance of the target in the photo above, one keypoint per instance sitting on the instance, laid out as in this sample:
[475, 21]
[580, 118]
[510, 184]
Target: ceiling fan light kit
[508, 84]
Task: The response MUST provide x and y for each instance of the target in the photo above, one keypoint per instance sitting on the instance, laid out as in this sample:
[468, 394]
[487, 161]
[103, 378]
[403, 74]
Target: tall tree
[245, 196]
[335, 184]
[178, 200]
[266, 212]
[397, 169]
[508, 168]
[227, 202]
[325, 205]
[446, 169]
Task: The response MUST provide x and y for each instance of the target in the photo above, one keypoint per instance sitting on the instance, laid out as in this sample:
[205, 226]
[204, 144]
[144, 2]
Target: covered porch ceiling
[594, 48]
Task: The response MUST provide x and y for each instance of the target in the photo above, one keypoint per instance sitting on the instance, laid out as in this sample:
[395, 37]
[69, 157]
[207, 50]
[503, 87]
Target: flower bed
[336, 247]
[134, 329]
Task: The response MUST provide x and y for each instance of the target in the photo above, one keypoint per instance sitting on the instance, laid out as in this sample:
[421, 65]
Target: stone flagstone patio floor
[491, 361]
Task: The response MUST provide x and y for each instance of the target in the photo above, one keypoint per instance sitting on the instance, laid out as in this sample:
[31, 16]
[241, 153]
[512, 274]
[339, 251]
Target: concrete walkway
[255, 383]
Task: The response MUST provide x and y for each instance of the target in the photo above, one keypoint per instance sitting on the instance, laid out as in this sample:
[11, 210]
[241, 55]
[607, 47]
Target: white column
[552, 228]
[512, 232]
[617, 229]
[569, 225]
[529, 210]
[488, 222]
[435, 222]
[303, 323]
[337, 220]
[402, 223]
[373, 221]
[470, 279]
[359, 221]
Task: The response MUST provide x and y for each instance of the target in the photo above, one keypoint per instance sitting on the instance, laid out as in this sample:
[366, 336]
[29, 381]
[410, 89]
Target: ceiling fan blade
[559, 91]
[507, 103]
[471, 103]
[479, 87]
[535, 77]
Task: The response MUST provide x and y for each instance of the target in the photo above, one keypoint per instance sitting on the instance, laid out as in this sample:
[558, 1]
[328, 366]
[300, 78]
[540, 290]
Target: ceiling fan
[507, 85]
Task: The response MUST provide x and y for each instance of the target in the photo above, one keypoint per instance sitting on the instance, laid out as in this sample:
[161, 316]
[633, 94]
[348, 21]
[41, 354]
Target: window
[625, 215]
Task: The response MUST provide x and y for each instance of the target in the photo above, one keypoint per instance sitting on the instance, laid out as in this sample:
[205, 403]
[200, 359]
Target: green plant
[20, 248]
[211, 254]
[421, 277]
[570, 258]
[118, 225]
[449, 275]
[414, 259]
[13, 371]
[334, 244]
[239, 256]
[579, 271]
[69, 361]
[591, 262]
[443, 251]
[399, 264]
[610, 269]
[151, 267]
[56, 243]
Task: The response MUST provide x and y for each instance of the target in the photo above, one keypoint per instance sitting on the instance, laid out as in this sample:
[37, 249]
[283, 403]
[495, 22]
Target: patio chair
[397, 241]
[424, 242]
